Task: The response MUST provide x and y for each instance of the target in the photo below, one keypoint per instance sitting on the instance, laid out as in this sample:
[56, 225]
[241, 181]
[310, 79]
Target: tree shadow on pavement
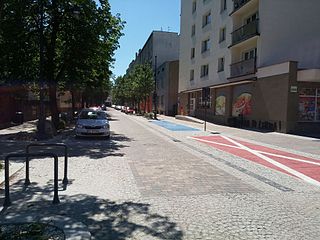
[105, 219]
[93, 148]
[19, 136]
[96, 148]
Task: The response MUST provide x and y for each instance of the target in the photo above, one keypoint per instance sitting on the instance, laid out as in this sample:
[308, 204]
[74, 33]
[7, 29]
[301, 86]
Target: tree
[134, 87]
[79, 38]
[143, 76]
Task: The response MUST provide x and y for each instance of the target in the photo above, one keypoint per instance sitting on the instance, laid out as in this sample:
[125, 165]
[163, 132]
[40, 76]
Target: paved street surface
[172, 180]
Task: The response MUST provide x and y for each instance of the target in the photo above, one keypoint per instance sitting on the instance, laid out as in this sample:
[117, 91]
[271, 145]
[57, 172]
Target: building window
[309, 104]
[205, 46]
[252, 18]
[194, 6]
[222, 36]
[250, 54]
[206, 19]
[193, 30]
[193, 52]
[204, 70]
[191, 75]
[223, 5]
[220, 64]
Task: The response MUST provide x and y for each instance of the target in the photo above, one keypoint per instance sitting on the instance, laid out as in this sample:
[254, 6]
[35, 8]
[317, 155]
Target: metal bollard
[7, 200]
[65, 177]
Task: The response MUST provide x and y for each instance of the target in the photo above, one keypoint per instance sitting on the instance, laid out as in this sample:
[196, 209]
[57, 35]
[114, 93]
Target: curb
[14, 168]
[188, 118]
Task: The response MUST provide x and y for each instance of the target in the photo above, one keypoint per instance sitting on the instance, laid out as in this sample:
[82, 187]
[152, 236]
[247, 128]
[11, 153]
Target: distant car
[123, 108]
[92, 123]
[129, 110]
[113, 106]
[104, 107]
[118, 107]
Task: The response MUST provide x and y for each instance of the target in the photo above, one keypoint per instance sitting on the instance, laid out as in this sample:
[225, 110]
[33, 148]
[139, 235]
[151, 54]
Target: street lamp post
[155, 88]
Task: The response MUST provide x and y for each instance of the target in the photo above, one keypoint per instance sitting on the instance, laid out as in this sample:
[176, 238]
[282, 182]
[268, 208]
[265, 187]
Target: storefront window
[309, 104]
[318, 106]
[220, 105]
[242, 105]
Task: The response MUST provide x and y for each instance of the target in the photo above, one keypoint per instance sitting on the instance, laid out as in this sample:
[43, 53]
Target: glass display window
[309, 104]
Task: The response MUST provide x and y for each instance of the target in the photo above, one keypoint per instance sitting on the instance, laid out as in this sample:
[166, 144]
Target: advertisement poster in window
[221, 105]
[242, 105]
[307, 108]
[318, 107]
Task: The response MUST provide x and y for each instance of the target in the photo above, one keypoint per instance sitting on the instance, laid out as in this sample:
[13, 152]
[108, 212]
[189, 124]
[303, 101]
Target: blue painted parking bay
[173, 127]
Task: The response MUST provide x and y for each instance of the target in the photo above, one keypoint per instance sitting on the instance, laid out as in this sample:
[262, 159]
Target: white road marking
[217, 143]
[262, 152]
[290, 158]
[279, 165]
[273, 162]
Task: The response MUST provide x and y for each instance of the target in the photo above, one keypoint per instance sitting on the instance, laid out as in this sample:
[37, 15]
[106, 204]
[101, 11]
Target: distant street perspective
[171, 119]
[168, 179]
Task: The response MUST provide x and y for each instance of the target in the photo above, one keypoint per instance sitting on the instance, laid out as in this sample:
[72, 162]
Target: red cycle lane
[307, 169]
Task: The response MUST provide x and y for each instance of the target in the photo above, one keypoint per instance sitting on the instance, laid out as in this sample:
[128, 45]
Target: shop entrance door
[192, 106]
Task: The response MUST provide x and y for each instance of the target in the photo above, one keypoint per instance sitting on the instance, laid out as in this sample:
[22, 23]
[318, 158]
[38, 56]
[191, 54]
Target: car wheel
[108, 137]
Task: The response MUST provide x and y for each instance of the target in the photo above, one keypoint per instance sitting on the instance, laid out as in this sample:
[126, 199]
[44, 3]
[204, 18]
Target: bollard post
[65, 177]
[55, 182]
[7, 201]
[27, 180]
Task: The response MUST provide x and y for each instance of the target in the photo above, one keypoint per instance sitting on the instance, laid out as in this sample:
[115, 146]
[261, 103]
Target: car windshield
[92, 115]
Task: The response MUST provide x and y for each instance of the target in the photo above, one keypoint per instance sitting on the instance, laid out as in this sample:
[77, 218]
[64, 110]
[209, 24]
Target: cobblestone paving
[150, 183]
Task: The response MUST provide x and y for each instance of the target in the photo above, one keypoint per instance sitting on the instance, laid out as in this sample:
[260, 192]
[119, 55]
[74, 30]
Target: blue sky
[142, 17]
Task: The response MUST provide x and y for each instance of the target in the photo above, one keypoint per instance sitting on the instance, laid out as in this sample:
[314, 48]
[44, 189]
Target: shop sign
[293, 89]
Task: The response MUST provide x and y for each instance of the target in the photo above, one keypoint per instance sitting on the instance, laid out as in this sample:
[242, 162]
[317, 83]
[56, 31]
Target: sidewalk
[287, 141]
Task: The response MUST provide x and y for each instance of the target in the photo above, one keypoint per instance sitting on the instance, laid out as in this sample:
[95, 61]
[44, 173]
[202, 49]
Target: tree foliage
[79, 36]
[135, 86]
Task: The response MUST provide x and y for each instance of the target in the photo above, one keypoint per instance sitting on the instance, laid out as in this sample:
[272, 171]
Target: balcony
[245, 32]
[243, 68]
[237, 4]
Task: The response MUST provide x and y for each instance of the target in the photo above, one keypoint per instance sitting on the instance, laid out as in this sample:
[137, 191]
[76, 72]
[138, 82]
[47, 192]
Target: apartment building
[260, 59]
[161, 45]
[167, 87]
[160, 49]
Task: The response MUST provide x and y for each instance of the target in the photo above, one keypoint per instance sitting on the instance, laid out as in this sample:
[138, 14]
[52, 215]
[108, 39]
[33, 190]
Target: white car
[92, 123]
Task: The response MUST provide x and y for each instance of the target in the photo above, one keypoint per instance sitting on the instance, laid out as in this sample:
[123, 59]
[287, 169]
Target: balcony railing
[238, 4]
[243, 68]
[245, 32]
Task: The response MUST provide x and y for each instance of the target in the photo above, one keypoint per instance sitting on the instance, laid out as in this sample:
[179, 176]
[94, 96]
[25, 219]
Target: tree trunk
[1, 9]
[145, 104]
[51, 66]
[73, 103]
[139, 110]
[53, 105]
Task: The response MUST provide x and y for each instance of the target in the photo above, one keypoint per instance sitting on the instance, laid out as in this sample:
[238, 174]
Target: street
[169, 179]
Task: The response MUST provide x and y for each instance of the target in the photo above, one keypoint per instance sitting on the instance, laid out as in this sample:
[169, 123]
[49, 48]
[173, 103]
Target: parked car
[123, 108]
[129, 110]
[118, 107]
[92, 123]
